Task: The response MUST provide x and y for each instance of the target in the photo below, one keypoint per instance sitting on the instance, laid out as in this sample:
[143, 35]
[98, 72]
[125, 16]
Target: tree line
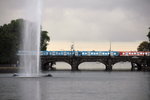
[145, 45]
[10, 37]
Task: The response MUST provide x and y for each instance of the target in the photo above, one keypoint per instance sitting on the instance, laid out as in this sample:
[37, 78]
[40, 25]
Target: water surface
[77, 86]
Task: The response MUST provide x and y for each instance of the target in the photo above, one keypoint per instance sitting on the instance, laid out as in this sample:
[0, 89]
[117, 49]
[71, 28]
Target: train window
[132, 53]
[146, 53]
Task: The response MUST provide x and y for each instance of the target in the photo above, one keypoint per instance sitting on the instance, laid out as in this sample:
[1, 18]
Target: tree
[145, 45]
[148, 35]
[44, 40]
[10, 40]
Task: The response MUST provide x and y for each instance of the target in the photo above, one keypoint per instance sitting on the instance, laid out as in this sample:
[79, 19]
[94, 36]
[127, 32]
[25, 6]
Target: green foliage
[145, 45]
[44, 40]
[10, 40]
[148, 35]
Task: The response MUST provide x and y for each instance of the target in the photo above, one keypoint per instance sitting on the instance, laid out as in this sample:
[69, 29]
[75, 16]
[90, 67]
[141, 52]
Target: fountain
[30, 62]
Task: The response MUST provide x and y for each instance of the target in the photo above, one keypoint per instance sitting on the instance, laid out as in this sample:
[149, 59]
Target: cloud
[94, 25]
[87, 20]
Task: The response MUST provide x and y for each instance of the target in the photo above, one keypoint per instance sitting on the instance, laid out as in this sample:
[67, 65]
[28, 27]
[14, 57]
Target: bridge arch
[126, 65]
[56, 65]
[62, 66]
[91, 66]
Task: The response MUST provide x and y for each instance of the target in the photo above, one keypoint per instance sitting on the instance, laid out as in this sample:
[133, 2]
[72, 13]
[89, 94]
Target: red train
[134, 53]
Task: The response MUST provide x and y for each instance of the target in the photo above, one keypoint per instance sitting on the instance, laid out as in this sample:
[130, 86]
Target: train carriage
[105, 53]
[45, 53]
[134, 53]
[84, 53]
[114, 53]
[92, 53]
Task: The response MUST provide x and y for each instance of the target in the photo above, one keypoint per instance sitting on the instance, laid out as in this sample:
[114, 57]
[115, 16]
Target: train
[95, 53]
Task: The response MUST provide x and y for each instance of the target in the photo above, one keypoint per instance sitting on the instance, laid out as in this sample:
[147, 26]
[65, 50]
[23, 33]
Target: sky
[88, 24]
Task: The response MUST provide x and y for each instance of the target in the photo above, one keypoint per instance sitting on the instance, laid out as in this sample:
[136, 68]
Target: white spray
[30, 62]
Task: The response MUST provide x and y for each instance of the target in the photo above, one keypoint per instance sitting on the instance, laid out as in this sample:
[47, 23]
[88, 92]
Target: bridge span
[140, 63]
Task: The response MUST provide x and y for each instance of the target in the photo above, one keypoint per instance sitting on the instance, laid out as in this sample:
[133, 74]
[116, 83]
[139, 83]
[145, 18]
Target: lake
[83, 85]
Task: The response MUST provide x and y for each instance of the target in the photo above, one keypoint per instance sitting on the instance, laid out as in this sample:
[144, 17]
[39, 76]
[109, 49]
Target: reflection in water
[30, 89]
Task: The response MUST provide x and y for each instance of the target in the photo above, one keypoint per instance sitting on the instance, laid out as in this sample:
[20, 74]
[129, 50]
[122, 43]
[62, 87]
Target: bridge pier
[108, 65]
[135, 66]
[48, 66]
[74, 68]
[132, 66]
[74, 64]
[139, 67]
[144, 65]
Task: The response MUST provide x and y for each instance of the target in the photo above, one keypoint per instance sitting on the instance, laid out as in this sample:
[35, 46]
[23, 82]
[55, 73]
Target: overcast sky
[86, 22]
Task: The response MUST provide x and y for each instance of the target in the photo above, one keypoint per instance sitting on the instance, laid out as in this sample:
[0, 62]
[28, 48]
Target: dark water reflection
[77, 86]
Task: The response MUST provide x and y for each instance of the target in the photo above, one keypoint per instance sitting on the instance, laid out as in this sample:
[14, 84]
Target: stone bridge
[138, 62]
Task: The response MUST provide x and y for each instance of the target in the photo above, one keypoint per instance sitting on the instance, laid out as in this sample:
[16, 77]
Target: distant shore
[15, 70]
[8, 69]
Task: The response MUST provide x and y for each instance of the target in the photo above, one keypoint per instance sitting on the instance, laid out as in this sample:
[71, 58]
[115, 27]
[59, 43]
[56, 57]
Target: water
[84, 85]
[31, 39]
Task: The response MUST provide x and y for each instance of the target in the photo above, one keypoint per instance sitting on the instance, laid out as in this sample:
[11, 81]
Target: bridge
[140, 63]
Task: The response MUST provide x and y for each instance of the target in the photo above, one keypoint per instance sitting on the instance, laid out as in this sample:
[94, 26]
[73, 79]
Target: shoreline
[15, 70]
[9, 69]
